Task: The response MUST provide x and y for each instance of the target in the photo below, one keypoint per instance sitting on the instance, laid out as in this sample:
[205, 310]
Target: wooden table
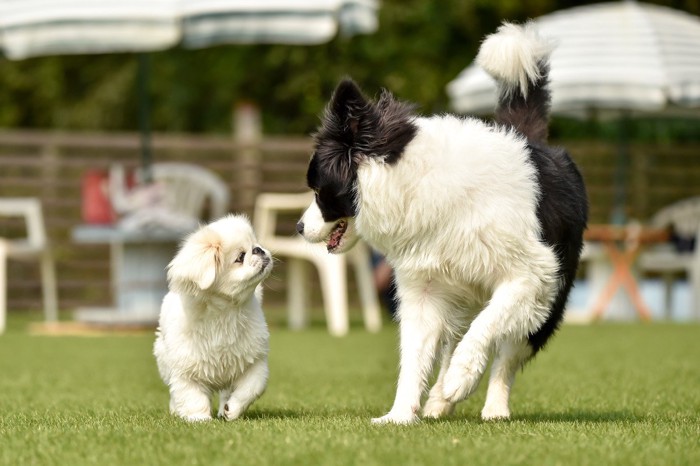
[622, 245]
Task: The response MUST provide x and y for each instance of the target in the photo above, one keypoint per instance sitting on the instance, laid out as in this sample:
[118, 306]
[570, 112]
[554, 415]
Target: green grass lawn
[599, 395]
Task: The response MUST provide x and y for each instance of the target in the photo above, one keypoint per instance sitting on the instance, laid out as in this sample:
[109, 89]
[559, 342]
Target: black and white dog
[483, 223]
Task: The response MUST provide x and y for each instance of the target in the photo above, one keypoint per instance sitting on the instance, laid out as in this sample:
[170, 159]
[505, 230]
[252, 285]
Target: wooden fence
[51, 165]
[655, 176]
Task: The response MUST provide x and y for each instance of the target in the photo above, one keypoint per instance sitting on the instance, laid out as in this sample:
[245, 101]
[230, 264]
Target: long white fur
[212, 335]
[456, 260]
[464, 241]
[512, 55]
[456, 217]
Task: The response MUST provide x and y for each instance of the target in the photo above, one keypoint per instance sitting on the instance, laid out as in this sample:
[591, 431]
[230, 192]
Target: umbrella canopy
[211, 22]
[30, 28]
[626, 56]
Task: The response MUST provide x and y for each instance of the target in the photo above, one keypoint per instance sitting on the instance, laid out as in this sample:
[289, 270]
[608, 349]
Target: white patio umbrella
[32, 28]
[618, 59]
[617, 56]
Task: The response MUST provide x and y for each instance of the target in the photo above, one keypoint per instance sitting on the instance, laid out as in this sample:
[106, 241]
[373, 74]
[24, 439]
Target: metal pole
[622, 165]
[144, 71]
[247, 132]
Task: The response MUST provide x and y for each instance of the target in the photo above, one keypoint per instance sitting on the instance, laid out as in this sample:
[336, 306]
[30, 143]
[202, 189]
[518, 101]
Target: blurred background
[246, 111]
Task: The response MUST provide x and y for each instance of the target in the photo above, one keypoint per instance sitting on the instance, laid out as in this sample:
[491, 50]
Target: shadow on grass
[328, 413]
[573, 417]
[277, 414]
[569, 417]
[582, 416]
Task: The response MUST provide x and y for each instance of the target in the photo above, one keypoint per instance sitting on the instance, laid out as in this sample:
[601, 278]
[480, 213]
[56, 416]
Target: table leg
[621, 277]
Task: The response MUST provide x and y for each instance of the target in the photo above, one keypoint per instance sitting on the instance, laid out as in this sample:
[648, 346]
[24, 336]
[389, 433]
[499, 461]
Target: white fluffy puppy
[212, 336]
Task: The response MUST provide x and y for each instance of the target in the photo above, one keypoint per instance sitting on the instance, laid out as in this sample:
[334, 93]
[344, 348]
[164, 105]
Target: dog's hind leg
[436, 405]
[517, 308]
[510, 357]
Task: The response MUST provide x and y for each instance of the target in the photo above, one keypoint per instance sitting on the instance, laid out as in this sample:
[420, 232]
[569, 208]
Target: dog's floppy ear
[198, 260]
[348, 106]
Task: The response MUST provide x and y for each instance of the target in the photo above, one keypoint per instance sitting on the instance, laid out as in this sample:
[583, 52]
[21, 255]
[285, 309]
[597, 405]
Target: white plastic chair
[190, 186]
[331, 268]
[34, 247]
[177, 197]
[153, 220]
[684, 218]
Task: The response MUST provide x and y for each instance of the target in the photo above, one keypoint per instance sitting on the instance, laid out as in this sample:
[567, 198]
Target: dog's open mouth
[336, 235]
[265, 266]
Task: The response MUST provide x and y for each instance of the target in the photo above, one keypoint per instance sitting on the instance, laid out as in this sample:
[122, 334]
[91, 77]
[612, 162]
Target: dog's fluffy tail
[518, 59]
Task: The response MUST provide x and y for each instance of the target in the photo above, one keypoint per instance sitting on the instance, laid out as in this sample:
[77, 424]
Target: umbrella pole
[143, 78]
[619, 214]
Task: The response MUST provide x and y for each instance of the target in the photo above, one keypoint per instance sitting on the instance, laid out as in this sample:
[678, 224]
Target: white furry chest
[458, 207]
[221, 351]
[213, 348]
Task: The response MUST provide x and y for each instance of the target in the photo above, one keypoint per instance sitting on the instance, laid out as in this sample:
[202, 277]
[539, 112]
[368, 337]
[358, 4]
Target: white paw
[196, 417]
[436, 408]
[232, 411]
[460, 381]
[494, 413]
[396, 418]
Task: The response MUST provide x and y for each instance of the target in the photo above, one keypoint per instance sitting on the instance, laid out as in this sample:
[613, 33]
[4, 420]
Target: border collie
[482, 222]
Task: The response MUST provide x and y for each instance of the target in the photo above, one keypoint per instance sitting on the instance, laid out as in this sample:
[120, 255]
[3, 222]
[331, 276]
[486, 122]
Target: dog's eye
[240, 257]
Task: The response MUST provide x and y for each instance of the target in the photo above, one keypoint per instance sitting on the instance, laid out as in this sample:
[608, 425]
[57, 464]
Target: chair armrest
[17, 206]
[30, 209]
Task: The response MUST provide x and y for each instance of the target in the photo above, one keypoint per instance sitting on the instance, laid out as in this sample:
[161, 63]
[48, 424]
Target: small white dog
[212, 335]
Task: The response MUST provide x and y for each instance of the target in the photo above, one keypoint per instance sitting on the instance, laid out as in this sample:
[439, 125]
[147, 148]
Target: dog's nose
[300, 228]
[258, 251]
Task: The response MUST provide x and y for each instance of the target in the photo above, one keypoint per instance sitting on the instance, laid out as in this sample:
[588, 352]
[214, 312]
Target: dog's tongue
[335, 239]
[336, 236]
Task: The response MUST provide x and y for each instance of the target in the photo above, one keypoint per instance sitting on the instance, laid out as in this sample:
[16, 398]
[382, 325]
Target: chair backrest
[30, 209]
[189, 187]
[269, 205]
[683, 216]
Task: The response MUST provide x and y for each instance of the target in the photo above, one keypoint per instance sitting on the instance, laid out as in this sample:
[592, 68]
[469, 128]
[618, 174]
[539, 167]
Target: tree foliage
[421, 45]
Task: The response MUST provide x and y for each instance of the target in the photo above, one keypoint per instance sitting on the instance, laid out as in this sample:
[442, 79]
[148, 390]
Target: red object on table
[622, 244]
[96, 206]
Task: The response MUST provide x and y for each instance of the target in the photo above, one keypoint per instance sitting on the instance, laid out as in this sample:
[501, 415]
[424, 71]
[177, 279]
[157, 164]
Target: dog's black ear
[349, 106]
[396, 126]
[386, 100]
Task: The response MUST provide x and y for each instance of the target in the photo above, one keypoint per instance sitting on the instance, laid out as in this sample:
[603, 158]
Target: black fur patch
[563, 206]
[563, 214]
[529, 116]
[355, 128]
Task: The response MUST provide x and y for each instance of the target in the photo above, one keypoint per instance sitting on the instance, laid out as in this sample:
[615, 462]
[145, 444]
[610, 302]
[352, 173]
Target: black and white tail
[518, 59]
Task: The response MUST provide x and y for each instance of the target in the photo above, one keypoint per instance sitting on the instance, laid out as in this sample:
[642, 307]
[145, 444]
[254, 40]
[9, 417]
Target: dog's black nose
[300, 228]
[258, 251]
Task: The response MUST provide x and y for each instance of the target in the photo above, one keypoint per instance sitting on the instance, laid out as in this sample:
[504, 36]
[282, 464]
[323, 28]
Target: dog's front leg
[189, 401]
[421, 328]
[516, 309]
[249, 387]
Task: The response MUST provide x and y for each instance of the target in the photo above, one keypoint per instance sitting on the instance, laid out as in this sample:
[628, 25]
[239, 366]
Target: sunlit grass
[606, 394]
